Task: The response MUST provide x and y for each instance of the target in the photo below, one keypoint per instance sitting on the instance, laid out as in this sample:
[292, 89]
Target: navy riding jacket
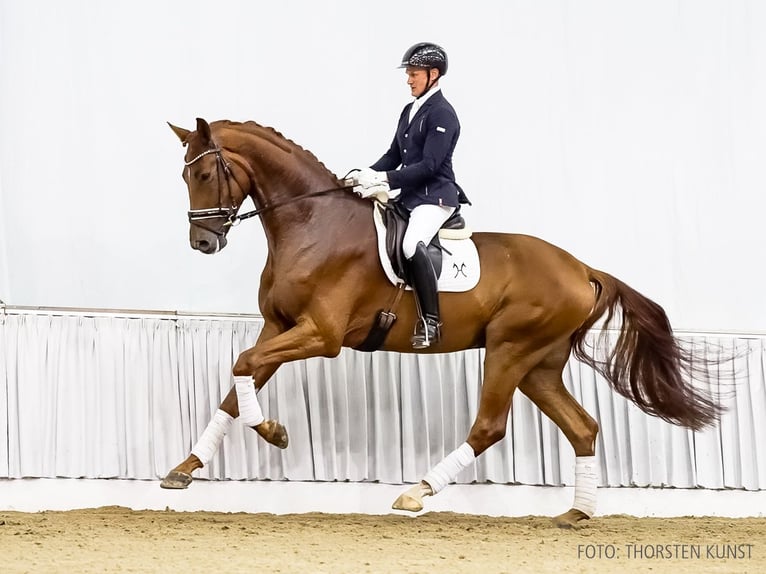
[423, 148]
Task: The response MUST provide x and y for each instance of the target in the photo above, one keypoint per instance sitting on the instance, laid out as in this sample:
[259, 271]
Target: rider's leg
[425, 221]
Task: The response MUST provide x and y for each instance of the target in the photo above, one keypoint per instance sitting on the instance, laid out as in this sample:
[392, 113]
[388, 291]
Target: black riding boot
[423, 279]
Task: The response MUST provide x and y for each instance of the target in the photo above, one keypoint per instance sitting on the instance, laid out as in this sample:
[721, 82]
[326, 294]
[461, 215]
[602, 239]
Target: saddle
[396, 217]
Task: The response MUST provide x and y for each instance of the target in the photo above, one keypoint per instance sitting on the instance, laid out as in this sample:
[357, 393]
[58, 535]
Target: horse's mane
[274, 137]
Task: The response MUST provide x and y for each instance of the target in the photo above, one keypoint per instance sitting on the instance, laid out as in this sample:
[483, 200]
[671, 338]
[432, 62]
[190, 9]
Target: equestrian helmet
[426, 55]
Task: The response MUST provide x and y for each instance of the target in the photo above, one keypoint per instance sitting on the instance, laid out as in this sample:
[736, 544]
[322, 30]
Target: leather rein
[229, 212]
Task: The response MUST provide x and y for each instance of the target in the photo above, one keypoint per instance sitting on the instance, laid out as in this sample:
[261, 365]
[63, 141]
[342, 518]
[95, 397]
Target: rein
[230, 212]
[237, 218]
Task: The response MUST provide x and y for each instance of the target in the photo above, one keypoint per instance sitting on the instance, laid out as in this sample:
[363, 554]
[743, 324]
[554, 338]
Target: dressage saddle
[396, 217]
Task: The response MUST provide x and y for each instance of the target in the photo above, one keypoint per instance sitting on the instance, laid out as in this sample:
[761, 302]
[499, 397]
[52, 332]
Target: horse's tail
[647, 365]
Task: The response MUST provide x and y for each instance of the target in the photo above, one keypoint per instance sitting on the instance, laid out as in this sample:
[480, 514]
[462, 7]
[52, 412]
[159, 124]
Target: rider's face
[417, 79]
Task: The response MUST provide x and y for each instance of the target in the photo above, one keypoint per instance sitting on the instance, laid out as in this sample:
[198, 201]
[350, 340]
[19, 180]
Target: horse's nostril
[202, 245]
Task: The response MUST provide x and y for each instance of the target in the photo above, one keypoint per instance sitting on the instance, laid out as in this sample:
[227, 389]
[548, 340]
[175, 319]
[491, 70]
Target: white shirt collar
[421, 100]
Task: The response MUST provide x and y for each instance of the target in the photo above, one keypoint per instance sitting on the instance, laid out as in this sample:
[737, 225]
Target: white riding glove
[368, 182]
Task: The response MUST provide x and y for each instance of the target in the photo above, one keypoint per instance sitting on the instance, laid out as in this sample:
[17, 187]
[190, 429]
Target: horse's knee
[244, 366]
[486, 433]
[332, 348]
[250, 364]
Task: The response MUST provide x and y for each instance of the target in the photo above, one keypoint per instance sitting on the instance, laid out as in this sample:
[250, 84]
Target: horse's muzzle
[205, 241]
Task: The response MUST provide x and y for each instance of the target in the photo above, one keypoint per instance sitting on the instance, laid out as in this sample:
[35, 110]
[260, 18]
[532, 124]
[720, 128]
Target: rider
[425, 138]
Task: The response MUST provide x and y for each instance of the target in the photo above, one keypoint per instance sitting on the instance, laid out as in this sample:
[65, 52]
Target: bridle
[229, 212]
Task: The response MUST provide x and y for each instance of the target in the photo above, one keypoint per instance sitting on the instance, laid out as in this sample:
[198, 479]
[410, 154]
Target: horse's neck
[314, 231]
[286, 177]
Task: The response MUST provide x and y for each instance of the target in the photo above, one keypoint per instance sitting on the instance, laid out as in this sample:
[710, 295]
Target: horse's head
[214, 191]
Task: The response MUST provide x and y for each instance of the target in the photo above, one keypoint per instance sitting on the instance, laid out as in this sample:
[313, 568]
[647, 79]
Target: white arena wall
[629, 133]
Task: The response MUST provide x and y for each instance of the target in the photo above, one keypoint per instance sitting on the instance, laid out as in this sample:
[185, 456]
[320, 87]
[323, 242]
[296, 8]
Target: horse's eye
[204, 176]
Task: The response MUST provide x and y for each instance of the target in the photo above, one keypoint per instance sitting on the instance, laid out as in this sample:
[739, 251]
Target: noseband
[227, 212]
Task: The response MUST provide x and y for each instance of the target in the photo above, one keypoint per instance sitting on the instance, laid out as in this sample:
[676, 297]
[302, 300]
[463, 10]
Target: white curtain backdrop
[126, 397]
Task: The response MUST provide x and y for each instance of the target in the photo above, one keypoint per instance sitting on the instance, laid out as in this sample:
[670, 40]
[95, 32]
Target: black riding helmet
[426, 55]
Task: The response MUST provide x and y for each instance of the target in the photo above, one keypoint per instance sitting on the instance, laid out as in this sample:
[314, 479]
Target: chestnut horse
[323, 285]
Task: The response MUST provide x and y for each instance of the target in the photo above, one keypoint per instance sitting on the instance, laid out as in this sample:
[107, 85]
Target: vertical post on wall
[4, 276]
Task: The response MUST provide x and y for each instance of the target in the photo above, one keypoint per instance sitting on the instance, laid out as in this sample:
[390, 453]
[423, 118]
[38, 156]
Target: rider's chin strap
[430, 83]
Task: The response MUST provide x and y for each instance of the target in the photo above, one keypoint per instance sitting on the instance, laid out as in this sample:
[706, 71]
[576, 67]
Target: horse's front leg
[252, 370]
[207, 444]
[304, 340]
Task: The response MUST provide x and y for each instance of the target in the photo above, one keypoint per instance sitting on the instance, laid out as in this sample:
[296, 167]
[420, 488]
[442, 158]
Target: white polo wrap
[249, 409]
[586, 481]
[211, 438]
[448, 469]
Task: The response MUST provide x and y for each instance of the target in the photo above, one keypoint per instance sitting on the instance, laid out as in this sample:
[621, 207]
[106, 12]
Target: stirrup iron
[427, 332]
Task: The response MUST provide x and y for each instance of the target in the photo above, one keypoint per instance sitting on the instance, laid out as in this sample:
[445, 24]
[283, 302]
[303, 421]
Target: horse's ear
[182, 134]
[203, 129]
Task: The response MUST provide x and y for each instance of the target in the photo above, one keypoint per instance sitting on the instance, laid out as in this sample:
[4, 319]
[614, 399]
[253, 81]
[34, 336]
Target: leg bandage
[249, 410]
[211, 438]
[586, 481]
[448, 469]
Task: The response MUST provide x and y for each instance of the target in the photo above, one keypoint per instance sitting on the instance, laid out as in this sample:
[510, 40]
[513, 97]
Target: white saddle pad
[460, 267]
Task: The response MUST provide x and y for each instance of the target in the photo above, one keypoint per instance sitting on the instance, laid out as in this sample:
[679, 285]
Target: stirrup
[426, 333]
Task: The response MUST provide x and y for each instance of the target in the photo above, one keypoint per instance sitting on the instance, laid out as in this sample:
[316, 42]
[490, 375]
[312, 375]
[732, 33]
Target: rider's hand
[368, 182]
[367, 177]
[371, 190]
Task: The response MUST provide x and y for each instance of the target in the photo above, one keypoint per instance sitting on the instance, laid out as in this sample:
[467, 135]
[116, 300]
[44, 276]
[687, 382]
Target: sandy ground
[115, 539]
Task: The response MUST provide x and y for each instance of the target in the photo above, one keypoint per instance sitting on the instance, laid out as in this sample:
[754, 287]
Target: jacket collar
[430, 99]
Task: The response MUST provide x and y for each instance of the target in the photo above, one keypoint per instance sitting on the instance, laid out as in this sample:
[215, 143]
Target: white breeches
[425, 221]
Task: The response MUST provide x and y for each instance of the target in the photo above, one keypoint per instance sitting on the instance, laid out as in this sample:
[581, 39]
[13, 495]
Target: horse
[323, 284]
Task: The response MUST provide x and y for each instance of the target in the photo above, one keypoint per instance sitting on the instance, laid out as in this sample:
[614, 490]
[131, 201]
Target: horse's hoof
[411, 501]
[408, 503]
[176, 480]
[273, 432]
[572, 518]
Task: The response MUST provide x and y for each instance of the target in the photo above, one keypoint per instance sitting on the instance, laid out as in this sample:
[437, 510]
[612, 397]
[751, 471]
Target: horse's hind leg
[505, 365]
[545, 388]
